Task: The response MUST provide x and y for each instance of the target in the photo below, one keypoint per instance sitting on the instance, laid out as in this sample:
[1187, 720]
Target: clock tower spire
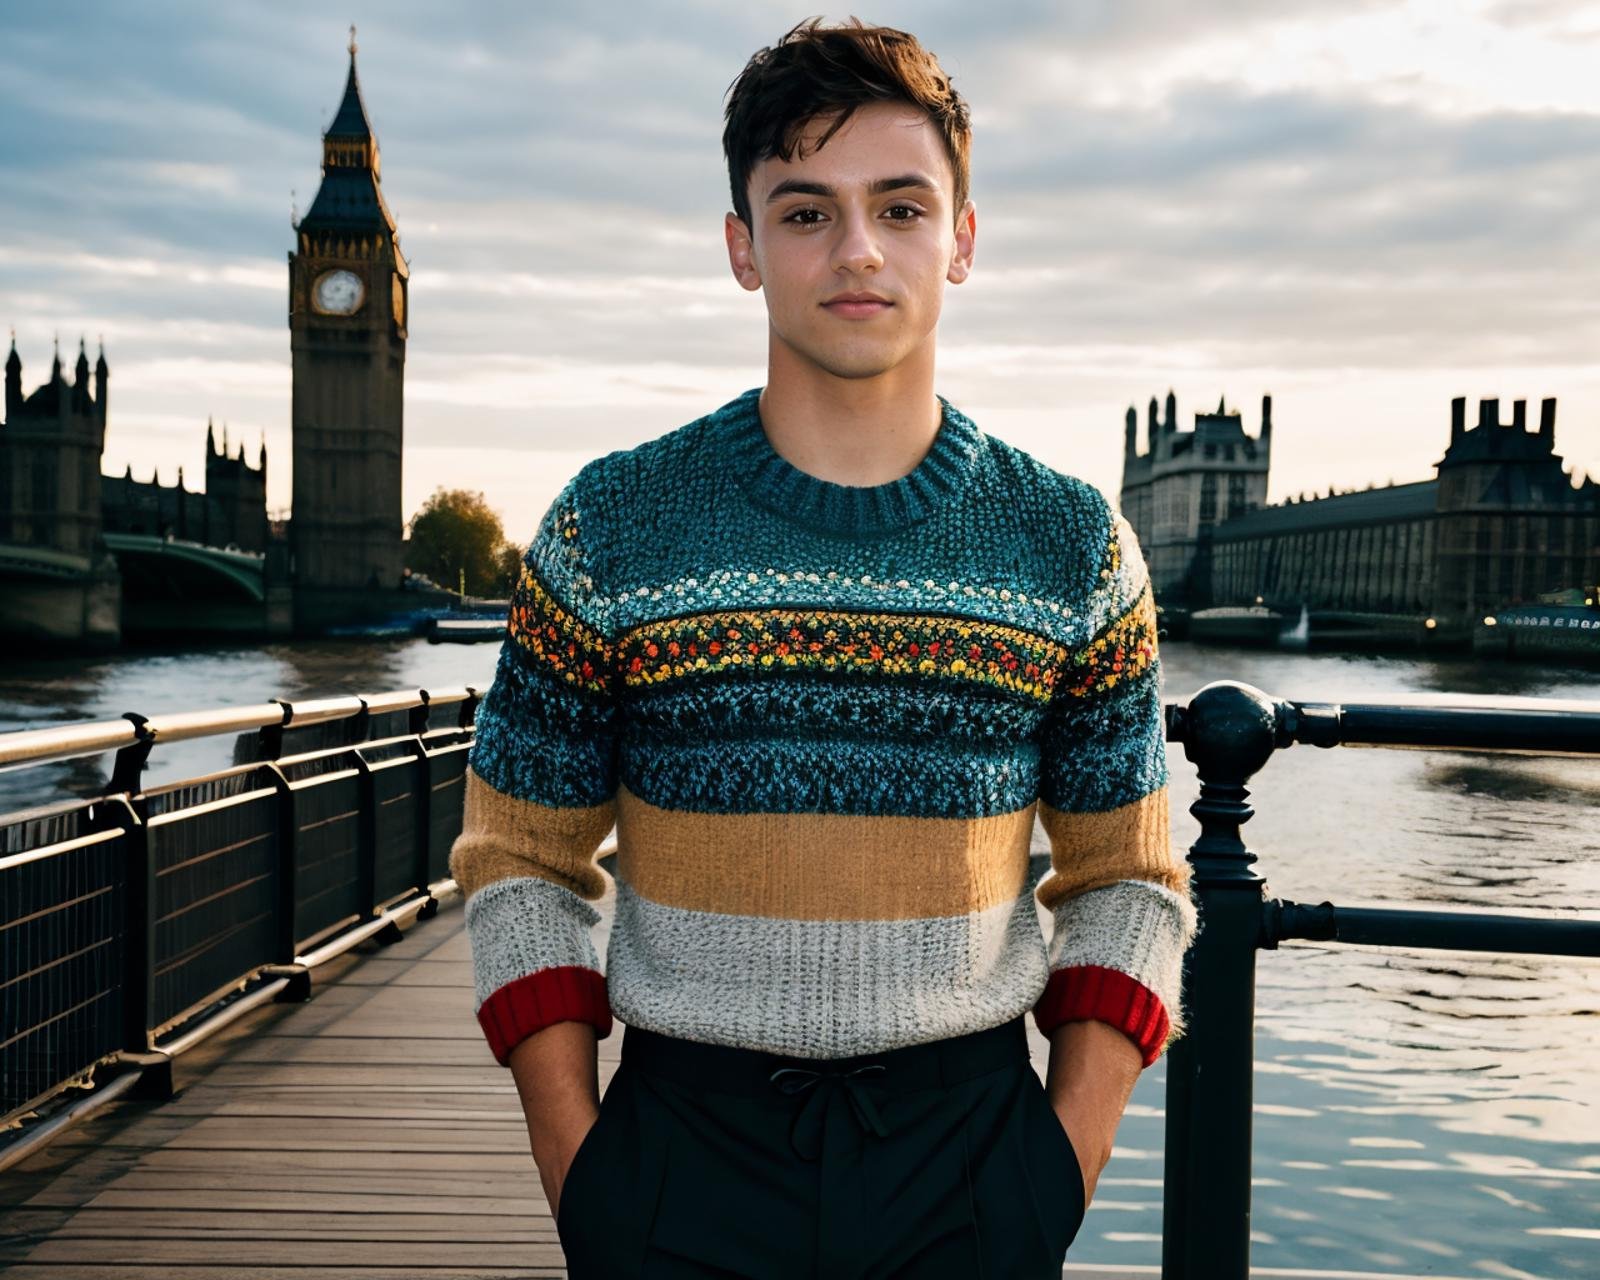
[348, 296]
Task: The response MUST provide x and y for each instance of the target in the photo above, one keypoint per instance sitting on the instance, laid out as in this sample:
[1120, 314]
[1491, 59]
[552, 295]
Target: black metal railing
[1230, 731]
[124, 918]
[132, 915]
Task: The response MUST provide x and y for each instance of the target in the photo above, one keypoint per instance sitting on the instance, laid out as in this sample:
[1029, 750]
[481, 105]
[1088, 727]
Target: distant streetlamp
[1489, 621]
[1430, 624]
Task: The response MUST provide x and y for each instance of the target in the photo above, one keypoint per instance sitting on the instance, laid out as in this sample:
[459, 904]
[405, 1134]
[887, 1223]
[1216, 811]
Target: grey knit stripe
[524, 924]
[827, 989]
[1137, 926]
[821, 988]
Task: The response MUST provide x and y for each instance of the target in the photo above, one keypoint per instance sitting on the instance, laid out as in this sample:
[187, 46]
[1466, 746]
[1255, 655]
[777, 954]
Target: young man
[821, 657]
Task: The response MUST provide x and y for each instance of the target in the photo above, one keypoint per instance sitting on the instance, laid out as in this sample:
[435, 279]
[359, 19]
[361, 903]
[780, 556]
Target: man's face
[869, 214]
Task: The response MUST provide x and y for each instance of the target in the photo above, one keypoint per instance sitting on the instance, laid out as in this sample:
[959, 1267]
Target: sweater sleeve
[540, 794]
[1123, 915]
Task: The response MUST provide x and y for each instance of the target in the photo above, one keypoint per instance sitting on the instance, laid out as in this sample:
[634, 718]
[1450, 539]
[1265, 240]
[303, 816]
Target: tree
[456, 534]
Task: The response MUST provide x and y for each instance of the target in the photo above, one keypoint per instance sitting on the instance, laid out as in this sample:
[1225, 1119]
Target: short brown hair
[830, 71]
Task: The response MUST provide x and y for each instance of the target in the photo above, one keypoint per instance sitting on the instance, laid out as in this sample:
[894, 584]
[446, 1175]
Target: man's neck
[852, 431]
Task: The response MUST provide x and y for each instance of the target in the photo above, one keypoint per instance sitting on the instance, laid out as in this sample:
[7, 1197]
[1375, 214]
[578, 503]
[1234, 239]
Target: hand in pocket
[555, 1186]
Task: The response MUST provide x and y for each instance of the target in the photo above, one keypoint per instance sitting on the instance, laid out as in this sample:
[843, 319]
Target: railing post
[138, 919]
[283, 922]
[128, 768]
[270, 749]
[423, 790]
[366, 837]
[138, 932]
[1229, 730]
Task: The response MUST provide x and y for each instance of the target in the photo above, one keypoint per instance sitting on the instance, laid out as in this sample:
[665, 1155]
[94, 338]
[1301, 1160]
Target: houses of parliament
[82, 554]
[1499, 523]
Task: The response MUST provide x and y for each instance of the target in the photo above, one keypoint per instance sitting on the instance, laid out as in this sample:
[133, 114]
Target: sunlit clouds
[1361, 208]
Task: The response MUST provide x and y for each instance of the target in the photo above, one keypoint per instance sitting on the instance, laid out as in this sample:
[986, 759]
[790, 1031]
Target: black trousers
[939, 1159]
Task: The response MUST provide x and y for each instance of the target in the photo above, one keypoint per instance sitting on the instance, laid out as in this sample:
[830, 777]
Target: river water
[1429, 1113]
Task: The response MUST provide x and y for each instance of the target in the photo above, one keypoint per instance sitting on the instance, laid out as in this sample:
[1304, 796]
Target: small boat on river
[1564, 632]
[1247, 624]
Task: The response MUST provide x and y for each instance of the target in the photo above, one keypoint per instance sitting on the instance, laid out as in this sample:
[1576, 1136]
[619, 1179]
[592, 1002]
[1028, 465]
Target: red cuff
[570, 993]
[1087, 992]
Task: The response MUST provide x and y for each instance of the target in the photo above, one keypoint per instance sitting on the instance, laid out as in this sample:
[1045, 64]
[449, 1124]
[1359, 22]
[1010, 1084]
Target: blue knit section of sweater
[733, 635]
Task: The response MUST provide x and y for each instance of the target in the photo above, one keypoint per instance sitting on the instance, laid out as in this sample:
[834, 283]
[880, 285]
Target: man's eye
[904, 209]
[804, 216]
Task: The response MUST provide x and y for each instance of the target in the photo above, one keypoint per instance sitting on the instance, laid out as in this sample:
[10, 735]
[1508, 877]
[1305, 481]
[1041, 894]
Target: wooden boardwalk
[366, 1133]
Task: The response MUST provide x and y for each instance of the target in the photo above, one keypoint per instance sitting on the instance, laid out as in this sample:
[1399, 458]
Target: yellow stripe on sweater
[1090, 850]
[503, 836]
[821, 866]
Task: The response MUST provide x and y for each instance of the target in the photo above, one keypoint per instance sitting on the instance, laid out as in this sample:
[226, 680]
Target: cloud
[1215, 194]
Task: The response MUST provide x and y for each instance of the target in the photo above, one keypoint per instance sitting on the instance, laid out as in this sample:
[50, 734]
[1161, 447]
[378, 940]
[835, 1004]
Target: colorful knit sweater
[823, 720]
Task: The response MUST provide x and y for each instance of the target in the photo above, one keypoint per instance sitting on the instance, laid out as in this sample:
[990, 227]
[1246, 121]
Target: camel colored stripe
[1090, 850]
[821, 866]
[503, 837]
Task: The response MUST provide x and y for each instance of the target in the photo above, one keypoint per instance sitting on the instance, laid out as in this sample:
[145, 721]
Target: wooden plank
[397, 1258]
[401, 1199]
[426, 975]
[340, 1050]
[285, 1164]
[390, 1077]
[338, 1222]
[365, 1109]
[216, 1187]
[335, 1045]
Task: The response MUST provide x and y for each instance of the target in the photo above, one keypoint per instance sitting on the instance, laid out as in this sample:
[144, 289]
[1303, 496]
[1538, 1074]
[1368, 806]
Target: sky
[1359, 207]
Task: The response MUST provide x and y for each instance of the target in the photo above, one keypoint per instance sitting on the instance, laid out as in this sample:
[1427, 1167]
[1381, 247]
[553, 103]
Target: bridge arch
[152, 565]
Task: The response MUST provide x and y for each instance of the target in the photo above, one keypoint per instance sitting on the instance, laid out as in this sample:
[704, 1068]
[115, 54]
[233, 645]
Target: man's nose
[857, 248]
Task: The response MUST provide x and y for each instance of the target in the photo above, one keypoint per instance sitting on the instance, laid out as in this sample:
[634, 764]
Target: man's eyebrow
[905, 180]
[794, 187]
[799, 187]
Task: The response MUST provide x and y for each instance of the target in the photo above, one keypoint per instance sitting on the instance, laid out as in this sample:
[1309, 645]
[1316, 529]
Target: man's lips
[857, 305]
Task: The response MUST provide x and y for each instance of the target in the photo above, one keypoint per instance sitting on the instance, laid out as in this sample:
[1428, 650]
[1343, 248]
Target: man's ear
[966, 244]
[741, 252]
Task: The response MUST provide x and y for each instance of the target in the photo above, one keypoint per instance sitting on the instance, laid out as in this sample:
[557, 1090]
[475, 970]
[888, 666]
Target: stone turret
[50, 471]
[82, 401]
[13, 380]
[102, 384]
[1185, 484]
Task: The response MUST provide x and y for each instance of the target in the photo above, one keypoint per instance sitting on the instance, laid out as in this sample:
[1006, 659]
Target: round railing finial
[1229, 730]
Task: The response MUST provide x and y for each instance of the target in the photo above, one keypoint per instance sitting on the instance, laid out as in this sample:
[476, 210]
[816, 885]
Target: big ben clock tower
[348, 294]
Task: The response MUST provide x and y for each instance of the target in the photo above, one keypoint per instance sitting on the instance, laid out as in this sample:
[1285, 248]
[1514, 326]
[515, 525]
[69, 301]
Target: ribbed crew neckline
[773, 482]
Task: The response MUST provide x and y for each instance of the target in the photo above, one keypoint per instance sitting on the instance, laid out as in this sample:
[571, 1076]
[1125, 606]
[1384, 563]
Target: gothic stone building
[1184, 484]
[1499, 524]
[50, 447]
[53, 496]
[231, 511]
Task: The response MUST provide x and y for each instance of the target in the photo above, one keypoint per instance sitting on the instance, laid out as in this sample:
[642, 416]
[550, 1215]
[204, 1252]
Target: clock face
[339, 293]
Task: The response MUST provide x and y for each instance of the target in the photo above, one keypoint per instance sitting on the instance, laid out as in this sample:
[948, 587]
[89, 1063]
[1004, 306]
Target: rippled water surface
[1429, 1113]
